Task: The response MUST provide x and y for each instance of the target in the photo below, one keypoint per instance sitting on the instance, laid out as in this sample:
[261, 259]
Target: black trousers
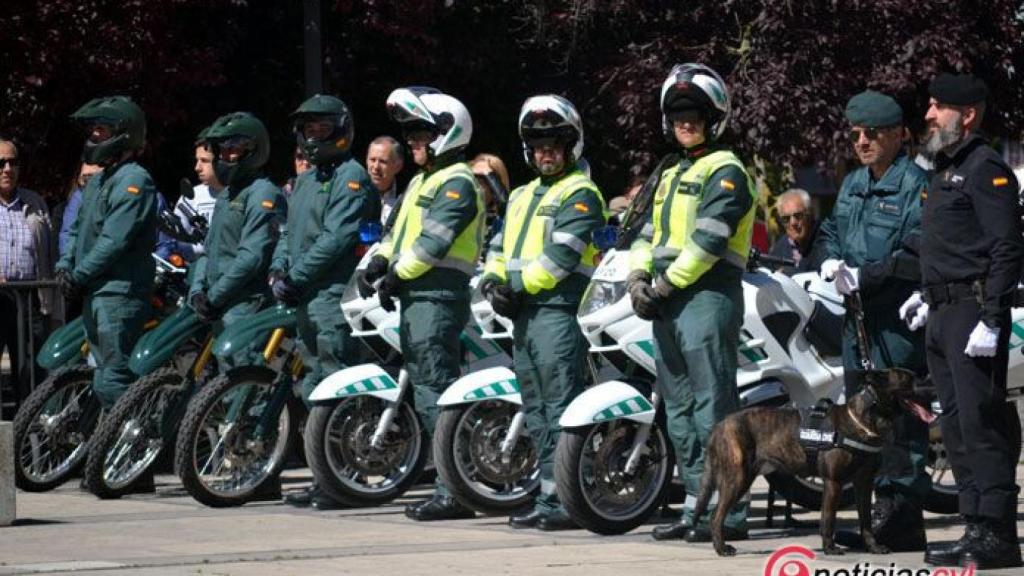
[20, 377]
[980, 429]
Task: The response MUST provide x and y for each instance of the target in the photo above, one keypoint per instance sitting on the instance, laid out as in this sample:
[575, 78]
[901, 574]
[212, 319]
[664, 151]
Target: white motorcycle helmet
[695, 86]
[548, 116]
[422, 108]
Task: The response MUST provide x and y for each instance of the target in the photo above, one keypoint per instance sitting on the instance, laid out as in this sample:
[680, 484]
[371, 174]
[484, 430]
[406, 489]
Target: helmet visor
[233, 149]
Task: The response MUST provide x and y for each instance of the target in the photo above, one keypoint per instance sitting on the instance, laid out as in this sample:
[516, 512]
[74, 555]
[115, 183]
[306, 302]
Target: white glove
[982, 341]
[847, 279]
[828, 268]
[914, 311]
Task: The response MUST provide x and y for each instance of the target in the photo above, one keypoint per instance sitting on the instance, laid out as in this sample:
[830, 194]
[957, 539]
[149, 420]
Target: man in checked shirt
[25, 254]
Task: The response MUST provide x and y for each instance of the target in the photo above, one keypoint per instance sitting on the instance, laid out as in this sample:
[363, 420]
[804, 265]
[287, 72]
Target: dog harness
[817, 434]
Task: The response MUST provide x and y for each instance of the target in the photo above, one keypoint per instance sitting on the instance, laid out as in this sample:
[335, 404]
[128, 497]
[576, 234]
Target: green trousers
[250, 355]
[549, 355]
[697, 340]
[905, 452]
[113, 323]
[325, 338]
[429, 335]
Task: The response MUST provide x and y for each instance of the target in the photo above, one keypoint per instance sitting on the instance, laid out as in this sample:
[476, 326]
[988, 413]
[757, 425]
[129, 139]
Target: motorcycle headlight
[599, 294]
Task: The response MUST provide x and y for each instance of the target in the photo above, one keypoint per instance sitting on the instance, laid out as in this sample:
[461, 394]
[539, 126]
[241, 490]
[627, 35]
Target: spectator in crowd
[301, 165]
[797, 221]
[492, 175]
[385, 158]
[25, 255]
[618, 205]
[74, 202]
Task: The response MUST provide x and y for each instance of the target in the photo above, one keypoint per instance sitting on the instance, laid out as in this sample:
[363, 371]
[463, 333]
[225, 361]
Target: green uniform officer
[230, 281]
[537, 269]
[697, 247]
[109, 261]
[428, 257]
[320, 247]
[877, 211]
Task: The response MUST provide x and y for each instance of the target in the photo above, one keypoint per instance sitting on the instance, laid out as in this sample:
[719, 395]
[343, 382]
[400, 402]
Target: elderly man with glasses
[800, 229]
[865, 244]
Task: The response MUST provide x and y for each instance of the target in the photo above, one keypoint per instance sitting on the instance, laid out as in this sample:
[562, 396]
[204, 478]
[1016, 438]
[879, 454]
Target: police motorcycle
[239, 428]
[53, 426]
[481, 447]
[363, 439]
[172, 361]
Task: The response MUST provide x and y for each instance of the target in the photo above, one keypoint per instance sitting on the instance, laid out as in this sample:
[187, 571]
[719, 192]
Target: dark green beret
[873, 110]
[958, 89]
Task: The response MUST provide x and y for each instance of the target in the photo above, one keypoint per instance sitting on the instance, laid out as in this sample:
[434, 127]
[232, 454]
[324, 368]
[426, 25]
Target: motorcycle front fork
[643, 433]
[387, 417]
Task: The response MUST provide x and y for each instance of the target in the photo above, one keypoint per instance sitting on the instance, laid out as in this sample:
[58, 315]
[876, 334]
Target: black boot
[994, 547]
[898, 524]
[527, 520]
[269, 491]
[557, 520]
[676, 531]
[440, 508]
[302, 498]
[703, 534]
[948, 553]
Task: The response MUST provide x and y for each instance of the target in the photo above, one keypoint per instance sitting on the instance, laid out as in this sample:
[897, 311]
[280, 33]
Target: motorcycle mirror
[370, 232]
[605, 237]
[185, 186]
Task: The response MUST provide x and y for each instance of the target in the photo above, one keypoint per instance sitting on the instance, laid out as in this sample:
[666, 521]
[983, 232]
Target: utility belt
[940, 294]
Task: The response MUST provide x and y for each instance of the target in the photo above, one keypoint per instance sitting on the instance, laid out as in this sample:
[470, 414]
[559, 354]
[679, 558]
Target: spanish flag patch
[1001, 181]
[133, 189]
[727, 184]
[581, 207]
[268, 204]
[453, 194]
[353, 185]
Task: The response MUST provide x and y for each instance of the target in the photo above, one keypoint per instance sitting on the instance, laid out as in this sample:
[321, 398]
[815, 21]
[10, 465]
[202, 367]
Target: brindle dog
[759, 440]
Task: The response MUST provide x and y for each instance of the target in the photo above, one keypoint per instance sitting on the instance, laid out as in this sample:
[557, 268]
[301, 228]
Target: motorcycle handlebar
[758, 258]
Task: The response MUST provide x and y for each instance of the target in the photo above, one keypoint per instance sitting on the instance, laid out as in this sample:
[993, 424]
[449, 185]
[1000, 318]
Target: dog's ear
[901, 380]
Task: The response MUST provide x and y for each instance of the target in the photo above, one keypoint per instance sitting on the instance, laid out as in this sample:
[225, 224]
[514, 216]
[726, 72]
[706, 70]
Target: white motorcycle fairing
[612, 400]
[365, 379]
[497, 383]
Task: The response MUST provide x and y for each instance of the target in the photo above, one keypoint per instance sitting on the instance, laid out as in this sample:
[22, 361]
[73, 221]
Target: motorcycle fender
[64, 346]
[242, 334]
[157, 346]
[612, 400]
[491, 384]
[365, 379]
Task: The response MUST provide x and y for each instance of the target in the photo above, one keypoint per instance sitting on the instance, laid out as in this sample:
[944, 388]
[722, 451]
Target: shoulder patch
[453, 194]
[268, 204]
[1000, 181]
[727, 184]
[353, 185]
[581, 207]
[136, 189]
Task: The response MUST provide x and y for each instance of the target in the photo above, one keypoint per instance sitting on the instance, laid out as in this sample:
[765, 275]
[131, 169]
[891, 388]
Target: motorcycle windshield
[608, 284]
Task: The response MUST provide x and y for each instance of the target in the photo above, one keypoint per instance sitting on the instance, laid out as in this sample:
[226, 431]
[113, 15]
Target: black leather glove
[285, 292]
[389, 290]
[375, 270]
[645, 299]
[68, 287]
[202, 307]
[506, 301]
[487, 285]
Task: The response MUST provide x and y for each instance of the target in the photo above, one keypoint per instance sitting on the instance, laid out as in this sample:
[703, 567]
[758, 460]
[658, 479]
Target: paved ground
[169, 533]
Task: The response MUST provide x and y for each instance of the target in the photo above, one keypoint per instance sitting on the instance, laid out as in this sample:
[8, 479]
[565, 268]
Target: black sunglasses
[5, 162]
[797, 216]
[869, 133]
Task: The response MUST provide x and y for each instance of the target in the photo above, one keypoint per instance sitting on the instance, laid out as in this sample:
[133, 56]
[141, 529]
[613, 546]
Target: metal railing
[22, 294]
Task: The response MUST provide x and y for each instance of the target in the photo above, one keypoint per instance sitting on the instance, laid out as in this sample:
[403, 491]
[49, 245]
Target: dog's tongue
[918, 410]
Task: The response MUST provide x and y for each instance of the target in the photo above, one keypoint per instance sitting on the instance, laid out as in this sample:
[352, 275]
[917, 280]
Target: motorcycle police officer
[108, 261]
[696, 247]
[428, 257]
[971, 261]
[318, 250]
[863, 241]
[229, 282]
[537, 269]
